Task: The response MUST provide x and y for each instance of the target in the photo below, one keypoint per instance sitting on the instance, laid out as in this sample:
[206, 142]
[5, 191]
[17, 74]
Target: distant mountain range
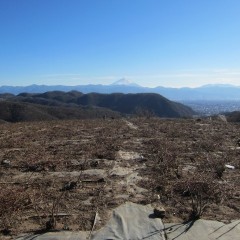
[75, 105]
[207, 92]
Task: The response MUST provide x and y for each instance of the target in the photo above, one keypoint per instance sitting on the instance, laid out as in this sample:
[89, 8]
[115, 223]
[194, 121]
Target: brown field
[57, 174]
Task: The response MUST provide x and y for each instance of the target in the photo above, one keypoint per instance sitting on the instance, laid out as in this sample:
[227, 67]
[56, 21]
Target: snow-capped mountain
[125, 82]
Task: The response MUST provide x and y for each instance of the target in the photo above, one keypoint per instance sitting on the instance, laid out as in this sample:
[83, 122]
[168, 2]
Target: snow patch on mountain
[125, 82]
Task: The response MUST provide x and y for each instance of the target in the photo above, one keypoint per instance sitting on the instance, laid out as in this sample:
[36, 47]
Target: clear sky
[150, 42]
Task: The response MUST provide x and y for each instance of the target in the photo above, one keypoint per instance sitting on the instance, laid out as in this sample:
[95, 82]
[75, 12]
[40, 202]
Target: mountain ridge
[207, 92]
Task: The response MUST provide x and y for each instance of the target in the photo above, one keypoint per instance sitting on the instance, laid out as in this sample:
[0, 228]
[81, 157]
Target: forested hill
[63, 105]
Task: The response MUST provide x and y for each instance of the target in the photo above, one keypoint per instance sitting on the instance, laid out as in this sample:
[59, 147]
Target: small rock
[69, 186]
[159, 212]
[6, 163]
[94, 163]
[229, 166]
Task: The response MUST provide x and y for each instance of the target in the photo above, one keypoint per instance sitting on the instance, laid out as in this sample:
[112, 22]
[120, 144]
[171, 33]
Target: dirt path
[130, 125]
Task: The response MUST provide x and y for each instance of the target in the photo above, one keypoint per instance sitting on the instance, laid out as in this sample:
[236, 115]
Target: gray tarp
[135, 222]
[203, 230]
[132, 221]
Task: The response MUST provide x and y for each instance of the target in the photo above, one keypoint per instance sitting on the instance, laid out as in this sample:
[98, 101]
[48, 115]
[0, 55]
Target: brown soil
[73, 169]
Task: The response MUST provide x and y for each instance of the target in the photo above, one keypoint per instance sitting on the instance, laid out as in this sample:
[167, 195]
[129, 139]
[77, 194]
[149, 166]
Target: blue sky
[150, 42]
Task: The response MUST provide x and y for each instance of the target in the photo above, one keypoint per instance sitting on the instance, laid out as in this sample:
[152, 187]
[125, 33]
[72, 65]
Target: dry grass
[57, 174]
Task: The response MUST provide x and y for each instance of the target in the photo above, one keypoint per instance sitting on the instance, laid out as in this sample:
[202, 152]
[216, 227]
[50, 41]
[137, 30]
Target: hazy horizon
[220, 84]
[149, 42]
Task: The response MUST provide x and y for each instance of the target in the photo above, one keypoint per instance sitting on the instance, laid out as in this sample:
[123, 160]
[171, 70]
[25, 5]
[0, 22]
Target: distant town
[207, 108]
